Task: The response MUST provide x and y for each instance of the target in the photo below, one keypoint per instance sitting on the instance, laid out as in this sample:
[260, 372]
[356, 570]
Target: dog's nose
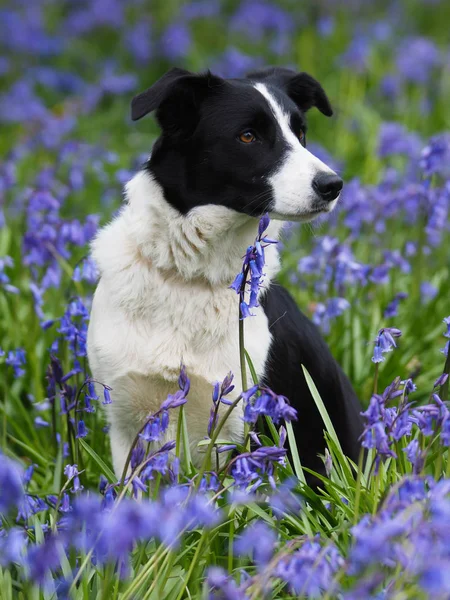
[328, 186]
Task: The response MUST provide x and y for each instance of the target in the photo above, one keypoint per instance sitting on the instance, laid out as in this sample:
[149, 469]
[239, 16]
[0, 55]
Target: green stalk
[194, 561]
[358, 486]
[214, 437]
[444, 388]
[375, 381]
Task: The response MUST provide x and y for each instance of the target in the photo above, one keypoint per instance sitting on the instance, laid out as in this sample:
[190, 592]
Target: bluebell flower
[72, 473]
[12, 546]
[137, 455]
[265, 402]
[138, 40]
[258, 540]
[40, 422]
[385, 342]
[43, 558]
[435, 156]
[87, 271]
[11, 487]
[416, 59]
[310, 570]
[176, 41]
[252, 266]
[234, 63]
[7, 261]
[82, 430]
[16, 359]
[391, 309]
[394, 138]
[428, 291]
[257, 18]
[222, 586]
[106, 395]
[440, 380]
[357, 54]
[413, 454]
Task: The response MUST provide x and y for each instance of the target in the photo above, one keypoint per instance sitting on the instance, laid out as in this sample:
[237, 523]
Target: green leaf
[107, 472]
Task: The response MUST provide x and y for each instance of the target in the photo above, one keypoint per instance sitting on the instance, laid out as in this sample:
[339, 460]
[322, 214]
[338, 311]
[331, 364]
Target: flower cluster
[252, 270]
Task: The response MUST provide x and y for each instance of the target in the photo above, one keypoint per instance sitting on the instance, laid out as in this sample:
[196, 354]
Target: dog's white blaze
[163, 298]
[292, 183]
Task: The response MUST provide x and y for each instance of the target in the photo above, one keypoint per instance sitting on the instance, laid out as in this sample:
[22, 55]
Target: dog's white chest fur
[163, 298]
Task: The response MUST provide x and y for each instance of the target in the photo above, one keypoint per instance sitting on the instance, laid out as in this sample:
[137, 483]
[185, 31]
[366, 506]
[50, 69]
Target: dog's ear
[151, 99]
[303, 89]
[176, 97]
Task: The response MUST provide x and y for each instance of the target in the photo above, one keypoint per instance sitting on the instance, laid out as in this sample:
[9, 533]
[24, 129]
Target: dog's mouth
[302, 217]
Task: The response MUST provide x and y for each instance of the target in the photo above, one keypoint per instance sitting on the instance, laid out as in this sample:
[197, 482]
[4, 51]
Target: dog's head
[240, 143]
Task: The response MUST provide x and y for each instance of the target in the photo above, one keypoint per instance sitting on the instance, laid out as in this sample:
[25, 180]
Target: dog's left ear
[303, 89]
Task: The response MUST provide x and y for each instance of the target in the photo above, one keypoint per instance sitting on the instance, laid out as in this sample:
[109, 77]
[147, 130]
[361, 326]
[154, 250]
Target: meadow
[373, 276]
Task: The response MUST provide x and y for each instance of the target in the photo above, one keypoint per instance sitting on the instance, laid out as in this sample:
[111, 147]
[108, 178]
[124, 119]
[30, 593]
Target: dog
[230, 150]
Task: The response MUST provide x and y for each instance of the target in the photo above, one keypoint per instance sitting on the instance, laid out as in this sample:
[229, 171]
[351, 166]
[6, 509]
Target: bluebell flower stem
[194, 563]
[358, 486]
[214, 437]
[443, 394]
[375, 381]
[447, 470]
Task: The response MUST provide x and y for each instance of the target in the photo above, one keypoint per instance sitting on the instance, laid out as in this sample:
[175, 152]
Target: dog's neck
[207, 243]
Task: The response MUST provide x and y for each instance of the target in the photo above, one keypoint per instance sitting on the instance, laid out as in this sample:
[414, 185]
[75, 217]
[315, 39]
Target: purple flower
[176, 41]
[440, 380]
[428, 291]
[106, 395]
[309, 571]
[395, 139]
[258, 540]
[82, 430]
[44, 557]
[385, 342]
[72, 473]
[11, 487]
[416, 59]
[253, 265]
[221, 586]
[12, 546]
[16, 359]
[265, 402]
[392, 308]
[40, 422]
[436, 155]
[233, 63]
[413, 454]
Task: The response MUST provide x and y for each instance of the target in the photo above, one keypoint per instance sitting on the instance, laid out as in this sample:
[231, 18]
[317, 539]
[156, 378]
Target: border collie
[229, 151]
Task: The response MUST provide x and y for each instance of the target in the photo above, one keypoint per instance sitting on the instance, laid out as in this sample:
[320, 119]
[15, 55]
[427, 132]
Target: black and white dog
[229, 151]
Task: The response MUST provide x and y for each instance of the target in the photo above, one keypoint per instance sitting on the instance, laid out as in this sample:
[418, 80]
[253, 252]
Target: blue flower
[222, 586]
[252, 266]
[72, 474]
[385, 342]
[40, 422]
[11, 487]
[176, 41]
[416, 59]
[310, 570]
[16, 359]
[265, 402]
[258, 540]
[82, 430]
[413, 454]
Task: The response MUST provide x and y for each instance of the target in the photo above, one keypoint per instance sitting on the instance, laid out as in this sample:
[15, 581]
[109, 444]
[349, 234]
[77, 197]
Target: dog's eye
[302, 137]
[247, 137]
